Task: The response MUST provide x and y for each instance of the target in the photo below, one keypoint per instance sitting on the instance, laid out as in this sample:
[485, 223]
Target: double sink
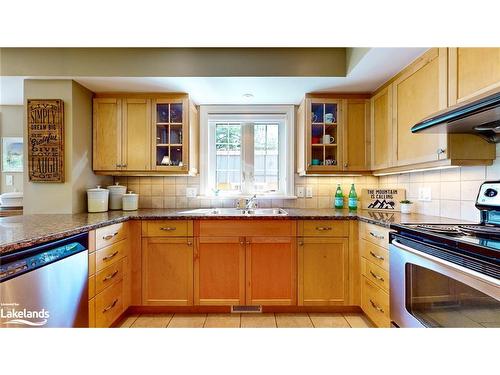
[237, 212]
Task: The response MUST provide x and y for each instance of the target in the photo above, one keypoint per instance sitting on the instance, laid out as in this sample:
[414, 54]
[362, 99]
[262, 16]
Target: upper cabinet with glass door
[157, 134]
[323, 133]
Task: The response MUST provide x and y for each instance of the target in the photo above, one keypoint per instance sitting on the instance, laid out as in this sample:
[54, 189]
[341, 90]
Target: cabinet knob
[190, 243]
[346, 165]
[242, 242]
[441, 151]
[301, 243]
[248, 242]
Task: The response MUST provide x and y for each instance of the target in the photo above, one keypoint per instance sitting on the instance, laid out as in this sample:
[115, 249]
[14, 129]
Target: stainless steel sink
[237, 212]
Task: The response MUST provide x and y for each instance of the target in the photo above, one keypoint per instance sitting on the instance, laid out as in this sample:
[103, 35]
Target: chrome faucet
[250, 202]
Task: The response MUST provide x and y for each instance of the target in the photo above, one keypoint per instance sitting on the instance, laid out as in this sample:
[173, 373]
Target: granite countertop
[19, 232]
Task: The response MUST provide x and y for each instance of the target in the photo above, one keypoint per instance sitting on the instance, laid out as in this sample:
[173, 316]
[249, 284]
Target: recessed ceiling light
[248, 95]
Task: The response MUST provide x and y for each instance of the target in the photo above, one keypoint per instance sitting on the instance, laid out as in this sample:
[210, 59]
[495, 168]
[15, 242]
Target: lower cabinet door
[167, 265]
[323, 271]
[271, 267]
[219, 271]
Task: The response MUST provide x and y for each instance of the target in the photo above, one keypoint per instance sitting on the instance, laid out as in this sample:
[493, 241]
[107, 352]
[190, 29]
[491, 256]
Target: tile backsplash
[170, 192]
[453, 191]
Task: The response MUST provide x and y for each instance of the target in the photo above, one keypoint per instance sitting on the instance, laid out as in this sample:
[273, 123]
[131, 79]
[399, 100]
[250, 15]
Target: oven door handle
[445, 263]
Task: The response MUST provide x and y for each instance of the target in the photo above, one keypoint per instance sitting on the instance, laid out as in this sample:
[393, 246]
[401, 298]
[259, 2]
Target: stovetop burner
[461, 230]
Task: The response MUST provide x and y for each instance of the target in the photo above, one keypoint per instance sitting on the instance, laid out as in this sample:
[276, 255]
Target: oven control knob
[490, 192]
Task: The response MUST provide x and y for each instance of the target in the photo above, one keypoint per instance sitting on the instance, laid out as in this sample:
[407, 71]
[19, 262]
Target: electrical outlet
[9, 180]
[300, 191]
[309, 191]
[424, 194]
[190, 192]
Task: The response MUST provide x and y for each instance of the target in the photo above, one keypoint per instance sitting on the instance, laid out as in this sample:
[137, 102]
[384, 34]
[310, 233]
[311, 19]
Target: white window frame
[284, 115]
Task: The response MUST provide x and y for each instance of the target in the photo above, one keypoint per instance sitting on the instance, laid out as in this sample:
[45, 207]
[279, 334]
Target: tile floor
[266, 320]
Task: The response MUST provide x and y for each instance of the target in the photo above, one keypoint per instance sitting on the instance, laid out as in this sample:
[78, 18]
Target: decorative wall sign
[46, 140]
[382, 199]
[12, 154]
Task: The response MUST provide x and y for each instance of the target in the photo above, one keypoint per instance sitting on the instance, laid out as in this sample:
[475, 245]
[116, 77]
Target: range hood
[480, 117]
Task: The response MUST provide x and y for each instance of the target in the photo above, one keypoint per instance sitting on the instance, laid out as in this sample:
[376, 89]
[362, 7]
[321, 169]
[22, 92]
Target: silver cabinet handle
[110, 276]
[109, 236]
[107, 257]
[380, 278]
[110, 306]
[377, 236]
[168, 229]
[377, 307]
[376, 256]
[323, 228]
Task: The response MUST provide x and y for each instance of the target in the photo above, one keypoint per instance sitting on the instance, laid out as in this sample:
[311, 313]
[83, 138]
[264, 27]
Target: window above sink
[247, 150]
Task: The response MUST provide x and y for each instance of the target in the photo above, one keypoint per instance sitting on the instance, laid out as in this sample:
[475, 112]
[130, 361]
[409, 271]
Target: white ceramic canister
[97, 199]
[130, 201]
[116, 193]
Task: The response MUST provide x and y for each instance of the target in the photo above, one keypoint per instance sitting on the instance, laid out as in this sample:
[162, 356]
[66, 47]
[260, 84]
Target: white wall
[11, 125]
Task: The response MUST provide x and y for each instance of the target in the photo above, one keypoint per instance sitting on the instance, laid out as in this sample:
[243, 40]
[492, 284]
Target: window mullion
[248, 157]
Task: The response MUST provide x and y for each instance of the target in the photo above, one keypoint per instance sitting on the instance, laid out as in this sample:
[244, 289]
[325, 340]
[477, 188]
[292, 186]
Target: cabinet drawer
[376, 274]
[375, 254]
[109, 305]
[324, 228]
[109, 275]
[375, 303]
[167, 228]
[377, 235]
[110, 234]
[111, 254]
[243, 228]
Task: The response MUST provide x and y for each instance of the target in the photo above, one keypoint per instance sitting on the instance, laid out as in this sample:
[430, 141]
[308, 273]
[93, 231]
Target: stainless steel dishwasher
[46, 285]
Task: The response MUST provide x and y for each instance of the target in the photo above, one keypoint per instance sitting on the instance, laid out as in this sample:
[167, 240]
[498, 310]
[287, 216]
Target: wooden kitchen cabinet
[472, 72]
[167, 271]
[136, 127]
[419, 92]
[356, 142]
[381, 129]
[107, 134]
[121, 131]
[345, 119]
[219, 271]
[145, 134]
[271, 269]
[323, 266]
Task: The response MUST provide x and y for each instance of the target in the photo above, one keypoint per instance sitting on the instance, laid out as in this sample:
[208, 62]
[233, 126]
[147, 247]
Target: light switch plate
[9, 180]
[424, 194]
[190, 192]
[300, 191]
[309, 191]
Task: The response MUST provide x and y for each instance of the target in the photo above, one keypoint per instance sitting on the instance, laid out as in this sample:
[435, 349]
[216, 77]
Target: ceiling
[371, 69]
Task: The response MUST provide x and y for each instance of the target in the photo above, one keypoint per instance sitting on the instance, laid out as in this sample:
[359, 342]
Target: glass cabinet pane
[324, 135]
[169, 137]
[176, 112]
[162, 113]
[317, 111]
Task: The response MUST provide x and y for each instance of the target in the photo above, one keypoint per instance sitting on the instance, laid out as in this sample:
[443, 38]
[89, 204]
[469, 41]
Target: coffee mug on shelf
[329, 118]
[328, 139]
[330, 162]
[315, 140]
[315, 162]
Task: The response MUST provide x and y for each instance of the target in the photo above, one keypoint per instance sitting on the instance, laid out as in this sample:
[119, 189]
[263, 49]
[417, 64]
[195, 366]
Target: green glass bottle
[353, 199]
[339, 198]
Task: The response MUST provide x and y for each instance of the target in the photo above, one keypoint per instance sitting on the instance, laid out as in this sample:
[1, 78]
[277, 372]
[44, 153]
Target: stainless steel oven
[431, 288]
